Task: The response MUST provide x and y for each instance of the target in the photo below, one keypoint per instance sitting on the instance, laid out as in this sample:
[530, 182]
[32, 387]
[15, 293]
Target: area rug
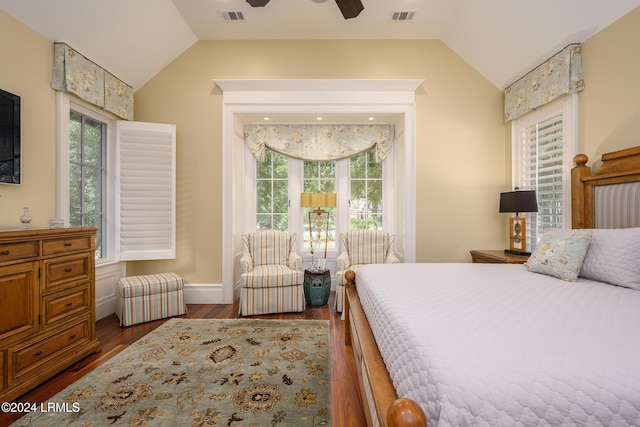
[201, 372]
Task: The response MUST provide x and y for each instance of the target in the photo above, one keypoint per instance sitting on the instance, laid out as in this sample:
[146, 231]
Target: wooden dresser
[47, 304]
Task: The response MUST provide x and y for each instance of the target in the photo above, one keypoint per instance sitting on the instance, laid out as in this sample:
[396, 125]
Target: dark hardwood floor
[346, 407]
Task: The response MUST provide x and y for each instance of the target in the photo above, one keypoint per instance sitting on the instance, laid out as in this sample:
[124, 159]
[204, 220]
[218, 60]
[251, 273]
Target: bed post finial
[350, 276]
[406, 413]
[579, 204]
[580, 159]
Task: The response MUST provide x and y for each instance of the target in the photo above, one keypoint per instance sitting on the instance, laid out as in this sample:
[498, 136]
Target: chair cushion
[267, 276]
[367, 246]
[268, 247]
[150, 284]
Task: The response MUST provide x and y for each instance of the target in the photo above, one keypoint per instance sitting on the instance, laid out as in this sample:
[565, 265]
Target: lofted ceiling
[135, 39]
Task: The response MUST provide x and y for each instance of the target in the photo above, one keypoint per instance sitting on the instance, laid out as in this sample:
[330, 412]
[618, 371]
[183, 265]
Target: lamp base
[512, 252]
[517, 234]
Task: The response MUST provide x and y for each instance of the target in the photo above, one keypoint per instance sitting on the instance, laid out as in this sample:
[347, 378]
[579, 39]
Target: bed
[488, 344]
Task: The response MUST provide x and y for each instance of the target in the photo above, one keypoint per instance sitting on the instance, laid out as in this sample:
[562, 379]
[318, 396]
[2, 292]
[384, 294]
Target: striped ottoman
[150, 297]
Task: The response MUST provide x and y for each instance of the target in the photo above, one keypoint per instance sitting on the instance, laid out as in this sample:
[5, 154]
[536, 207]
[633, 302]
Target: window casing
[544, 144]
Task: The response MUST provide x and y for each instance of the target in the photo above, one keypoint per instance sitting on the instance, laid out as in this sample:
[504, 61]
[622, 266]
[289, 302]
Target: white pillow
[560, 253]
[614, 257]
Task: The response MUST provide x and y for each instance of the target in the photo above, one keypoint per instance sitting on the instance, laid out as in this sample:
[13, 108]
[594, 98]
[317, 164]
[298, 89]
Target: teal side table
[317, 286]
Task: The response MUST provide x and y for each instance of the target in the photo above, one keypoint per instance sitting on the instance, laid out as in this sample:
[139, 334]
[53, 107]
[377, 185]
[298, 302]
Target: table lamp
[518, 201]
[318, 216]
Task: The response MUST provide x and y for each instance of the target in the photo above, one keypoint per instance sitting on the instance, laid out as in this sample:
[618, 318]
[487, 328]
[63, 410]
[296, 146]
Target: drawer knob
[69, 270]
[68, 244]
[6, 252]
[69, 304]
[39, 353]
[73, 337]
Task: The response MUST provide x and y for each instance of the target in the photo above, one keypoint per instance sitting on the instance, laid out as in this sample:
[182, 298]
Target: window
[365, 188]
[272, 193]
[279, 179]
[87, 176]
[97, 155]
[543, 150]
[320, 177]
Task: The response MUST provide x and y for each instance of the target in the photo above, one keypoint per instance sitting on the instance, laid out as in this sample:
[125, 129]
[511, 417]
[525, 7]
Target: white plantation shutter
[146, 191]
[543, 157]
[542, 171]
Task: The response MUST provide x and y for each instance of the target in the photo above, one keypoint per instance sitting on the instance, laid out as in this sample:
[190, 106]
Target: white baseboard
[105, 307]
[203, 293]
[193, 294]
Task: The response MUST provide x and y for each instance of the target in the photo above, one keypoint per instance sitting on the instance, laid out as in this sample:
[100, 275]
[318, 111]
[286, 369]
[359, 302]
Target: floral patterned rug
[201, 372]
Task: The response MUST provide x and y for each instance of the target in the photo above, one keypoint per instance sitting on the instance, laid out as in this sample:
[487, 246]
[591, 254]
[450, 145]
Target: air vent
[402, 16]
[232, 16]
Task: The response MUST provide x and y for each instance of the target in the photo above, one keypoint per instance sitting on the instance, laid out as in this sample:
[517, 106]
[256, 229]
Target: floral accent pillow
[560, 253]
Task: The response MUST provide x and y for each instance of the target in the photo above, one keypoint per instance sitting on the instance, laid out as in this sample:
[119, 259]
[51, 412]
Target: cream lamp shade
[317, 200]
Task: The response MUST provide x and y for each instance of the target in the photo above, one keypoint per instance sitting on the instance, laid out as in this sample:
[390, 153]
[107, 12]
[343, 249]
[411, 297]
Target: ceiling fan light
[258, 3]
[350, 8]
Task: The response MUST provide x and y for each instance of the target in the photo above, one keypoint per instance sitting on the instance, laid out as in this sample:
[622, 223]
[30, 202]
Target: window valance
[559, 75]
[319, 142]
[74, 73]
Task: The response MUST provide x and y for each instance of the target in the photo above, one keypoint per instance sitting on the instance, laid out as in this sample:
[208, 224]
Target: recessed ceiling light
[267, 119]
[318, 118]
[371, 118]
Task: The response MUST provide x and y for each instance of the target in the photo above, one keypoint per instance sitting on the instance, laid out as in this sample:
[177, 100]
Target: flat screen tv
[10, 148]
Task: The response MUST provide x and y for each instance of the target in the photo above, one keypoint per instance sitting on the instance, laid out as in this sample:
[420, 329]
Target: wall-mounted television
[10, 147]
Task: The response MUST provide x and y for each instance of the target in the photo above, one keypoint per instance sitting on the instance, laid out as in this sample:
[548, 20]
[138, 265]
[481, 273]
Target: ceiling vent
[232, 16]
[403, 16]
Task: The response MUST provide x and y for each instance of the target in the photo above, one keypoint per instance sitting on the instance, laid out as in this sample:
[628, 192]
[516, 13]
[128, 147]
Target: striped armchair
[272, 274]
[360, 247]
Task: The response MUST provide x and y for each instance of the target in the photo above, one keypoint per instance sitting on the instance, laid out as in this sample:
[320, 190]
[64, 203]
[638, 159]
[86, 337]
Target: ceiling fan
[349, 8]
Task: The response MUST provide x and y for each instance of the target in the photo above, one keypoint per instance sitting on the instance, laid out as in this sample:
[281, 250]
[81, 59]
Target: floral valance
[74, 73]
[319, 142]
[559, 75]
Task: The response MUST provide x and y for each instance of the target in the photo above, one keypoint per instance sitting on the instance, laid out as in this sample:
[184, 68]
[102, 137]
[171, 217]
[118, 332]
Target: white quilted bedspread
[489, 344]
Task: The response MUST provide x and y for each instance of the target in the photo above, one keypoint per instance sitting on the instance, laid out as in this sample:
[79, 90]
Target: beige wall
[462, 143]
[26, 58]
[610, 103]
[460, 137]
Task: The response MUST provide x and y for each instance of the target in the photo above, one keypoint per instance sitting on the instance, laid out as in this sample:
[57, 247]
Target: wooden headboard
[620, 169]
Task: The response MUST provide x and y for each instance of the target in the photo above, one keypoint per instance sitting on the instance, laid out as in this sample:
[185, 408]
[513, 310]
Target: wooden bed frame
[379, 398]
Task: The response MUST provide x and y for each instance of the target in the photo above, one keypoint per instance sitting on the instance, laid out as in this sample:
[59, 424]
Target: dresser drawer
[60, 305]
[71, 244]
[11, 251]
[2, 383]
[25, 359]
[67, 270]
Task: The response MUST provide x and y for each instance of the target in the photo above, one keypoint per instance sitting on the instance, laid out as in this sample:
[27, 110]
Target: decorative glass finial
[25, 219]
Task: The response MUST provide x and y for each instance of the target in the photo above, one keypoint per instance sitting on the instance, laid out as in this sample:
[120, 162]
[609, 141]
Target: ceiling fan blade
[349, 8]
[258, 3]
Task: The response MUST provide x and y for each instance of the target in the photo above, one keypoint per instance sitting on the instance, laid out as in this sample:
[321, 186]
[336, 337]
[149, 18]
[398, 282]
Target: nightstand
[497, 257]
